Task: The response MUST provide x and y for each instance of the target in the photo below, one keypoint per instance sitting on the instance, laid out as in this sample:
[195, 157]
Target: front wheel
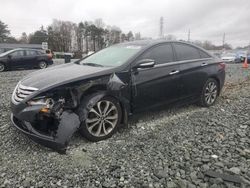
[2, 67]
[209, 93]
[102, 119]
[42, 65]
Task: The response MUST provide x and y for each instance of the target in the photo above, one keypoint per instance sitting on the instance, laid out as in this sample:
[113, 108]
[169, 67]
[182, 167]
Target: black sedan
[96, 95]
[24, 58]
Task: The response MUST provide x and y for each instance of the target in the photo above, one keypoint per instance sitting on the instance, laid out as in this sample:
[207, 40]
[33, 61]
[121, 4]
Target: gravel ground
[165, 148]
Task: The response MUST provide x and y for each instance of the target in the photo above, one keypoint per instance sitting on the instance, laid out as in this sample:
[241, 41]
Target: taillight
[222, 65]
[49, 56]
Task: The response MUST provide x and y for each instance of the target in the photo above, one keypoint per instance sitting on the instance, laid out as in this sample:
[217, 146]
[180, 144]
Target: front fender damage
[65, 115]
[118, 86]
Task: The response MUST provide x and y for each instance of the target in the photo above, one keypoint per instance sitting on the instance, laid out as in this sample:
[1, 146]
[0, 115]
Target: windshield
[6, 53]
[112, 56]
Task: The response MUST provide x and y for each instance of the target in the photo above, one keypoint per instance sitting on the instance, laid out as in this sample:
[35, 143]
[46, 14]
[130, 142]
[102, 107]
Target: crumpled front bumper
[22, 116]
[27, 129]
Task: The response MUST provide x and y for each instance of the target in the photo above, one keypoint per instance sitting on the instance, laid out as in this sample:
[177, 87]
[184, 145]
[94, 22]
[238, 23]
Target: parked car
[229, 57]
[95, 95]
[243, 57]
[24, 58]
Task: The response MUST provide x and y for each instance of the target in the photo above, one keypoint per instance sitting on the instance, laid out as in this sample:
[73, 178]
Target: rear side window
[186, 52]
[203, 54]
[161, 54]
[40, 53]
[31, 53]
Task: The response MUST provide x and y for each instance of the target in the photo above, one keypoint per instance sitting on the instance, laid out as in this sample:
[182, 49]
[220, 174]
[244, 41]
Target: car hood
[61, 74]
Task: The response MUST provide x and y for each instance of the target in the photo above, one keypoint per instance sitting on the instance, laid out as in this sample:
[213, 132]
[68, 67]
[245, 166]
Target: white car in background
[229, 57]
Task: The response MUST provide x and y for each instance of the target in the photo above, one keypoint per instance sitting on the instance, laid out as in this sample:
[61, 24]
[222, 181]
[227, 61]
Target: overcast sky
[206, 19]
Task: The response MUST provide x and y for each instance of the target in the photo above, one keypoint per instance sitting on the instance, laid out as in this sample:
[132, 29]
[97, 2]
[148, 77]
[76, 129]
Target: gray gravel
[164, 148]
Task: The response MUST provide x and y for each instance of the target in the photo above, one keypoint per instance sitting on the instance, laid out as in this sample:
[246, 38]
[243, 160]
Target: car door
[193, 67]
[16, 59]
[31, 58]
[158, 84]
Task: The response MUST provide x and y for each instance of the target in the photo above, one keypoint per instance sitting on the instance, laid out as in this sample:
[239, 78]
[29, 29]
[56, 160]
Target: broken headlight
[46, 102]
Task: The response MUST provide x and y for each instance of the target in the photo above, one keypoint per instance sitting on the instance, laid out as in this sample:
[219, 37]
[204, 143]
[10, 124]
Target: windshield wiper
[93, 64]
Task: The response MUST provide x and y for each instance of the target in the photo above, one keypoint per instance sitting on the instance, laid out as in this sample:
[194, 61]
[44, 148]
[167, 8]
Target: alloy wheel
[102, 118]
[1, 67]
[42, 65]
[211, 92]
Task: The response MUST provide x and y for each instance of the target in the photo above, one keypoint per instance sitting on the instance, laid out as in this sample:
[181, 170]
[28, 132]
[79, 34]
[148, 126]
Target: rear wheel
[102, 119]
[2, 67]
[42, 65]
[209, 93]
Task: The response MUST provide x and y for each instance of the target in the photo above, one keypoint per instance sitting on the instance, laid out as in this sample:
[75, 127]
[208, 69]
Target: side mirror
[145, 63]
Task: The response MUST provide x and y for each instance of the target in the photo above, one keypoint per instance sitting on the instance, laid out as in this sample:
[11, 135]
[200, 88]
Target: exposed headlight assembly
[48, 105]
[46, 102]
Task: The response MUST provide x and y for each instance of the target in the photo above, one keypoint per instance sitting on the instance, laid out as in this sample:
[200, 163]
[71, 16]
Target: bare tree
[60, 35]
[130, 36]
[24, 38]
[170, 37]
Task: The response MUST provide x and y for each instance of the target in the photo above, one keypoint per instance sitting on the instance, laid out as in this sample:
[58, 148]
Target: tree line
[66, 36]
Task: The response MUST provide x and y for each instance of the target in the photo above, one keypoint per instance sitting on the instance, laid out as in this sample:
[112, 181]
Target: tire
[96, 127]
[2, 67]
[42, 65]
[209, 93]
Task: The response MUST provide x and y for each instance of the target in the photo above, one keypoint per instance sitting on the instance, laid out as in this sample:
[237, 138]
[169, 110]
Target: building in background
[6, 46]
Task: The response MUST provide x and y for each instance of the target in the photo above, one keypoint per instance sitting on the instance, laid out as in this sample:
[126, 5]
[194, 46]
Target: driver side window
[160, 54]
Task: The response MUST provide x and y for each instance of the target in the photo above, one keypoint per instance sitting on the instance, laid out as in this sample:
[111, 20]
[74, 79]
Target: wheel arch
[102, 91]
[5, 65]
[218, 81]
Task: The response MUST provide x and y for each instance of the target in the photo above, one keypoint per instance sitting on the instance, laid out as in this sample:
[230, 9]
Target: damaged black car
[95, 95]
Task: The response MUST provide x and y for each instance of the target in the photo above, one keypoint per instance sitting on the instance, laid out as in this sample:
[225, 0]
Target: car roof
[143, 42]
[152, 42]
[26, 49]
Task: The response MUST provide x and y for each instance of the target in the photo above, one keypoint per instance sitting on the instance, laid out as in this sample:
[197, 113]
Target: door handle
[203, 64]
[174, 72]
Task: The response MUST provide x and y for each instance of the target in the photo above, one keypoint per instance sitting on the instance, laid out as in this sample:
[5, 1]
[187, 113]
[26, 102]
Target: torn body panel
[48, 118]
[56, 136]
[119, 85]
[52, 117]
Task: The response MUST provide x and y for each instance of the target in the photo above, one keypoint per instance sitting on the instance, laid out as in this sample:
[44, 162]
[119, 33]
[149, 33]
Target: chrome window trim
[182, 62]
[176, 63]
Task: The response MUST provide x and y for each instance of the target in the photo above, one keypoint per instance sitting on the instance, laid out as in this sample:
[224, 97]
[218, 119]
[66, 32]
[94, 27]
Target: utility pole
[161, 27]
[189, 35]
[223, 40]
